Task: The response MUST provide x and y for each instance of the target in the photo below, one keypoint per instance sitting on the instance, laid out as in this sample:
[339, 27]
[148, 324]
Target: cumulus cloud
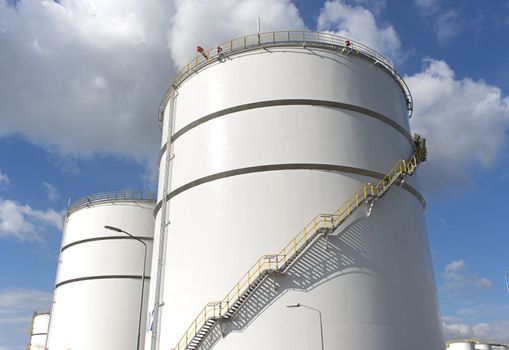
[496, 331]
[208, 23]
[4, 180]
[16, 307]
[24, 223]
[84, 77]
[359, 24]
[456, 276]
[464, 121]
[51, 191]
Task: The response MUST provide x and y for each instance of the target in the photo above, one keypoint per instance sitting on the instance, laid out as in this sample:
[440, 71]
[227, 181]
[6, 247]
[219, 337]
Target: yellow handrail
[275, 262]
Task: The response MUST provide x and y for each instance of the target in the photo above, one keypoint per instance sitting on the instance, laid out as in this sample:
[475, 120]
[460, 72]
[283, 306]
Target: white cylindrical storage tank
[98, 289]
[38, 331]
[283, 126]
[498, 347]
[461, 345]
[482, 346]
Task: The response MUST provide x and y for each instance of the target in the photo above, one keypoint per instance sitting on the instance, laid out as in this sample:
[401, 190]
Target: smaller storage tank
[98, 292]
[38, 331]
[482, 346]
[461, 345]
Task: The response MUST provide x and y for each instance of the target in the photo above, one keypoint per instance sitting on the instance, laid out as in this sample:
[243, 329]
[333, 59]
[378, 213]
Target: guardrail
[285, 38]
[281, 260]
[110, 197]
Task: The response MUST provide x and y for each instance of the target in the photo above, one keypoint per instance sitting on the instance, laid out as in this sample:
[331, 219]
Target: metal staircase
[320, 225]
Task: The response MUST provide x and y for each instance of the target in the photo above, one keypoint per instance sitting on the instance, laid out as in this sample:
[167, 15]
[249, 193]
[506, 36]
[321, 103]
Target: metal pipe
[138, 340]
[319, 314]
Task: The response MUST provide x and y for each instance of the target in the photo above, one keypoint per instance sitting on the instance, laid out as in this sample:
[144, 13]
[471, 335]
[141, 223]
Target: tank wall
[290, 73]
[461, 346]
[97, 315]
[39, 332]
[250, 180]
[98, 285]
[482, 347]
[287, 135]
[251, 238]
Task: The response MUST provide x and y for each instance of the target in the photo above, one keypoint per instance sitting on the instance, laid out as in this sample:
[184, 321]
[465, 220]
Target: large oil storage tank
[38, 331]
[482, 346]
[461, 345]
[499, 347]
[97, 296]
[259, 136]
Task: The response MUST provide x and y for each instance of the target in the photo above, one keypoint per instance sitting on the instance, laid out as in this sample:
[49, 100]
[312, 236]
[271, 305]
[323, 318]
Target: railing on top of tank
[109, 197]
[282, 38]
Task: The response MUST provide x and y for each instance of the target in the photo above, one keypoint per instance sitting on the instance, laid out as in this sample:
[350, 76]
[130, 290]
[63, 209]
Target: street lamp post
[116, 229]
[319, 314]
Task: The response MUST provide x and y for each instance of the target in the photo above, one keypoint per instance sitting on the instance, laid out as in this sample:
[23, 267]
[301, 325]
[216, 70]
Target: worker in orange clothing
[202, 51]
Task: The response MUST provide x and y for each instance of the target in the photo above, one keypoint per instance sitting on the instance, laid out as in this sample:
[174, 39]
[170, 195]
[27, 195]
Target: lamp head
[113, 228]
[293, 305]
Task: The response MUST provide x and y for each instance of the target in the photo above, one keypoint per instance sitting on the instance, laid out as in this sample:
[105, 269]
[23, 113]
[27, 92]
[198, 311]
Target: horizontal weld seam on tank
[278, 167]
[91, 278]
[103, 239]
[290, 102]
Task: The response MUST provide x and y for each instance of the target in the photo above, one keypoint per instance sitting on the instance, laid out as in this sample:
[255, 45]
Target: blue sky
[81, 83]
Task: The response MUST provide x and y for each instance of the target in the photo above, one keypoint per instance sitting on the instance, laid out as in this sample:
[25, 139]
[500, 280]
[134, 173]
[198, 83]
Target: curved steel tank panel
[38, 331]
[261, 142]
[97, 291]
[461, 346]
[482, 346]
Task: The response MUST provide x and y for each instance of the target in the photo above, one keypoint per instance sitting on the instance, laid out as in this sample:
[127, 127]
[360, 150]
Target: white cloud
[464, 121]
[359, 24]
[51, 191]
[447, 26]
[446, 23]
[24, 223]
[496, 331]
[84, 77]
[16, 307]
[4, 180]
[208, 23]
[456, 276]
[426, 4]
